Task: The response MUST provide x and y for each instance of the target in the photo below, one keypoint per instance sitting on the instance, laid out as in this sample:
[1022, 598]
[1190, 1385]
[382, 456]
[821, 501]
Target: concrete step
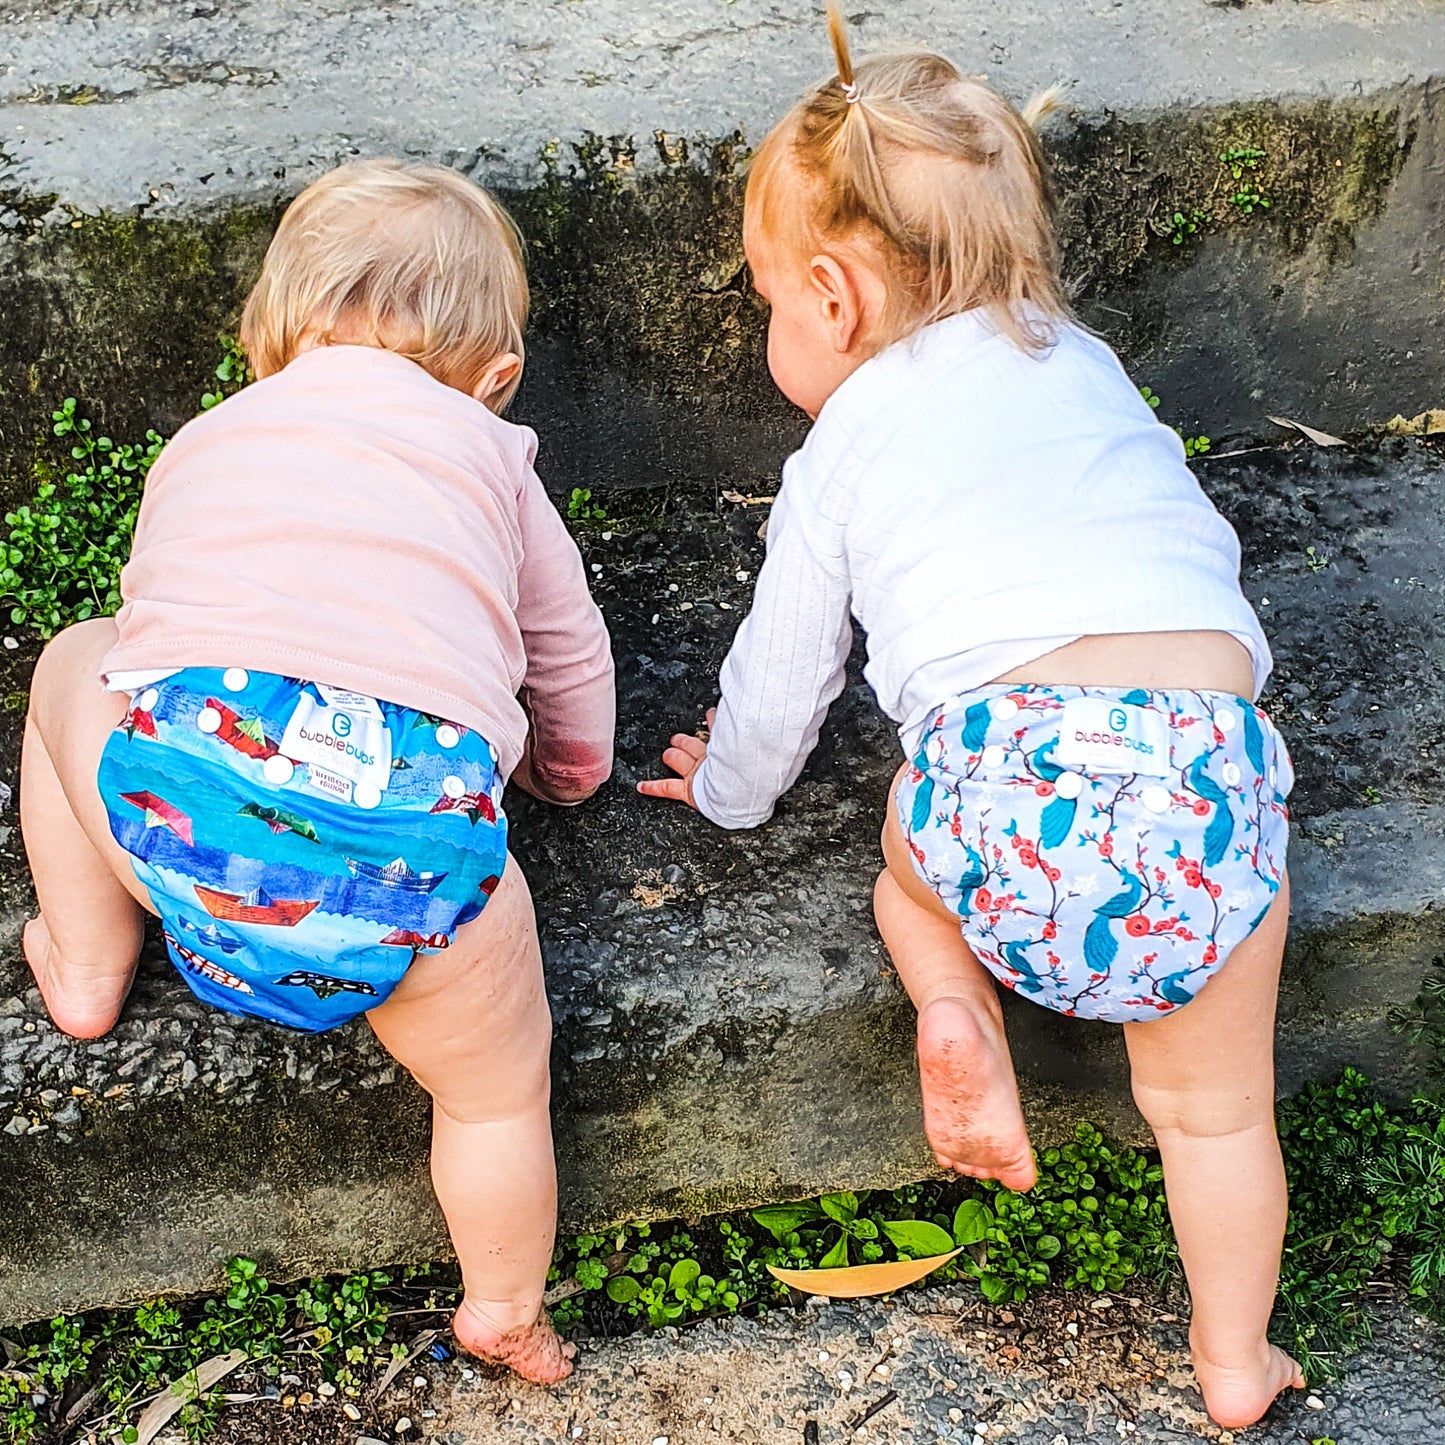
[727, 1027]
[144, 146]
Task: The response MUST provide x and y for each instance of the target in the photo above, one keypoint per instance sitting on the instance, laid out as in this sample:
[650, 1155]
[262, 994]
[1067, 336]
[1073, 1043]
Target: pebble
[469, 1374]
[419, 1382]
[955, 1414]
[660, 1440]
[403, 1425]
[11, 644]
[822, 1357]
[1314, 1402]
[350, 1411]
[326, 1388]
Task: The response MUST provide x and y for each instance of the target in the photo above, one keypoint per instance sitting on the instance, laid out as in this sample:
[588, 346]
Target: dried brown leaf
[860, 1280]
[1319, 438]
[190, 1386]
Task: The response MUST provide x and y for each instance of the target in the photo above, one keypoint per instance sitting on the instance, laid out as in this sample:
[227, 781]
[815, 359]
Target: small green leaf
[836, 1257]
[920, 1238]
[842, 1207]
[781, 1220]
[684, 1275]
[1046, 1246]
[622, 1289]
[971, 1222]
[995, 1288]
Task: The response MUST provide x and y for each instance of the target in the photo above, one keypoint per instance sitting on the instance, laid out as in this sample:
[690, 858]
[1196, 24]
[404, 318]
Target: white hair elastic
[850, 93]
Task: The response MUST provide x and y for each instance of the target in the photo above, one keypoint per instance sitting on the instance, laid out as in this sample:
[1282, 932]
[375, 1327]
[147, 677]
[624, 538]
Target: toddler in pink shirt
[351, 614]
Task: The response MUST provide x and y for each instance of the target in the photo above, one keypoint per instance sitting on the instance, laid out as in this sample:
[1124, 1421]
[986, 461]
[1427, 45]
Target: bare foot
[534, 1351]
[1236, 1397]
[971, 1110]
[85, 1007]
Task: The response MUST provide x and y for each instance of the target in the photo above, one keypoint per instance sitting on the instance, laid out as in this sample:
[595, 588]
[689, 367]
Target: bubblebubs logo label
[1103, 736]
[336, 738]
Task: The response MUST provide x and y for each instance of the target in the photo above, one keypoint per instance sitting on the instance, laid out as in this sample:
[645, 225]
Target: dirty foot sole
[84, 1008]
[1238, 1397]
[535, 1351]
[971, 1110]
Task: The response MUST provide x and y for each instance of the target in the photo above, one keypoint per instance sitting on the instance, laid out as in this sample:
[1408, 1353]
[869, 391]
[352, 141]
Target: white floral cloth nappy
[1104, 849]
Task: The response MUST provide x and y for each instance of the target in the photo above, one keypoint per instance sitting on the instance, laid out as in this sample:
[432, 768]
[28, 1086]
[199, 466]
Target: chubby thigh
[1102, 850]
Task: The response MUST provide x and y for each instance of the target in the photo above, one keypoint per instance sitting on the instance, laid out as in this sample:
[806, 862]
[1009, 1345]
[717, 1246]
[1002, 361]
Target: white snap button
[1225, 720]
[366, 795]
[1156, 799]
[492, 752]
[277, 770]
[208, 720]
[447, 736]
[454, 787]
[234, 679]
[1232, 774]
[1273, 775]
[993, 756]
[933, 749]
[148, 699]
[1003, 708]
[1068, 785]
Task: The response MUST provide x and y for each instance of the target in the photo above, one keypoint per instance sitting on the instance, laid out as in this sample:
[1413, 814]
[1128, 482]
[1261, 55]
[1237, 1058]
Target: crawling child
[1093, 813]
[291, 743]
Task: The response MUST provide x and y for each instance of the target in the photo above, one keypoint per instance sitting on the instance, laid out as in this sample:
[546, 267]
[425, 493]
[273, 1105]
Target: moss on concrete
[639, 270]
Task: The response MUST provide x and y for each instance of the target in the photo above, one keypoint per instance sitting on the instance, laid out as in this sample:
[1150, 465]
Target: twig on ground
[877, 1408]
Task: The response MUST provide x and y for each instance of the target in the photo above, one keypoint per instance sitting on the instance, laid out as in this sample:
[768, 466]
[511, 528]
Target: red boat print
[138, 720]
[255, 907]
[206, 968]
[246, 735]
[475, 805]
[161, 814]
[410, 938]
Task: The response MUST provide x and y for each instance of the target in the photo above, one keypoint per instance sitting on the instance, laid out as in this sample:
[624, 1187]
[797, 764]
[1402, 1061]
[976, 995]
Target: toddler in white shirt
[1093, 810]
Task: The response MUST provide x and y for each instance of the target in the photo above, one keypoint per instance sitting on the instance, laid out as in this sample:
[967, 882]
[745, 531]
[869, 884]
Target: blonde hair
[410, 258]
[939, 174]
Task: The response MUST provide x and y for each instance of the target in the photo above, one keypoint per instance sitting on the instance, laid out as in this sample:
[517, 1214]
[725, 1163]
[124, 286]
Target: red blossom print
[982, 898]
[1106, 847]
[1137, 926]
[1044, 790]
[1028, 857]
[1214, 889]
[1210, 954]
[1051, 873]
[1051, 930]
[1201, 808]
[1193, 878]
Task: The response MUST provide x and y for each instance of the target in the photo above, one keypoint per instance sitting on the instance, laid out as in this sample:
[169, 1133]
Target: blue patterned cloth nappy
[1104, 849]
[302, 844]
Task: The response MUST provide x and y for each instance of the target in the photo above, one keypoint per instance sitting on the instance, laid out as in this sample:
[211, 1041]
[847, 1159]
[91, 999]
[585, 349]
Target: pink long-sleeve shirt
[353, 521]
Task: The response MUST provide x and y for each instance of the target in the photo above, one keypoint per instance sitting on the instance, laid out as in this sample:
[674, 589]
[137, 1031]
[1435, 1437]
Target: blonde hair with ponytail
[937, 173]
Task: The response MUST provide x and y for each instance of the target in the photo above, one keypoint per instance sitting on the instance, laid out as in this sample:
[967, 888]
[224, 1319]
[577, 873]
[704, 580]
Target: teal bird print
[974, 876]
[1100, 945]
[1058, 817]
[922, 804]
[1016, 956]
[1253, 739]
[1172, 990]
[975, 726]
[1136, 697]
[1221, 825]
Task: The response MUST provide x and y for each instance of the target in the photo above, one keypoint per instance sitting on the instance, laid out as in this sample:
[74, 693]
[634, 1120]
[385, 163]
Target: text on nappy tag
[1103, 736]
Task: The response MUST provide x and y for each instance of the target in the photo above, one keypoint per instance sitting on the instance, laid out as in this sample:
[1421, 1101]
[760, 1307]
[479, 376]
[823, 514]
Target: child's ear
[850, 296]
[501, 372]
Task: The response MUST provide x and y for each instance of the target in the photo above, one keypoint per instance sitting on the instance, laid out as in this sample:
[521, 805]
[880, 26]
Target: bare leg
[83, 945]
[1204, 1080]
[472, 1024]
[971, 1111]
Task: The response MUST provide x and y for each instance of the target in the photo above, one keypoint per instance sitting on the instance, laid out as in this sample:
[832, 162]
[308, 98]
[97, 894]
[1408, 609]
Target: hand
[684, 757]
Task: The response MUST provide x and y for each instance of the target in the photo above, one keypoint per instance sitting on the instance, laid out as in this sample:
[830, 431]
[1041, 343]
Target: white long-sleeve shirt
[974, 507]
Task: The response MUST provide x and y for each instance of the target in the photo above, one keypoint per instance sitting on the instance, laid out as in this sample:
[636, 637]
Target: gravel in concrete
[1061, 1372]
